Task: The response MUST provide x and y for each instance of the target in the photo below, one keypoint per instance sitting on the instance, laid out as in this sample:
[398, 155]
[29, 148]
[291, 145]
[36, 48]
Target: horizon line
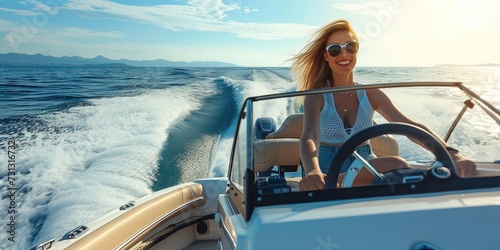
[489, 64]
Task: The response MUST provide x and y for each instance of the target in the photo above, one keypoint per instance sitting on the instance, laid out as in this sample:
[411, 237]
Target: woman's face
[342, 64]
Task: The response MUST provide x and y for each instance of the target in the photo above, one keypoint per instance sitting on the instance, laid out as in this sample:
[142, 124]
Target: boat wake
[76, 163]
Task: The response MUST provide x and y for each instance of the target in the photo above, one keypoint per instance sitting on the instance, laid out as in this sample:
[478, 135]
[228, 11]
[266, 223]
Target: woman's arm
[314, 179]
[385, 107]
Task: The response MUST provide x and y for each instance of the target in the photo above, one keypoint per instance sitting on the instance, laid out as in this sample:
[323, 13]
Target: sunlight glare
[467, 5]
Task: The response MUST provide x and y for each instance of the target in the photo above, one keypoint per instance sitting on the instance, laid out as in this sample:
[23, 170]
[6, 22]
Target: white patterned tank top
[332, 128]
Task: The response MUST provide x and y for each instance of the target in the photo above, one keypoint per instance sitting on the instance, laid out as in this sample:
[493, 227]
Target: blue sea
[90, 139]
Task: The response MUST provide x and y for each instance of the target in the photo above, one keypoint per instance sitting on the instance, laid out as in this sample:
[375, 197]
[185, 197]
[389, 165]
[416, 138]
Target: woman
[328, 61]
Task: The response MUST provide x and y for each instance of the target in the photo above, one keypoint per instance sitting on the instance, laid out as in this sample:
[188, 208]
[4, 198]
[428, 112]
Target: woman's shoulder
[376, 97]
[314, 100]
[373, 92]
[315, 97]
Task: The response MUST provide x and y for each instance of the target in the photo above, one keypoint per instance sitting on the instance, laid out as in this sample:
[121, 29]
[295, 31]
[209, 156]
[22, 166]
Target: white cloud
[271, 31]
[197, 16]
[350, 6]
[369, 8]
[85, 34]
[46, 8]
[38, 8]
[214, 9]
[248, 10]
[19, 12]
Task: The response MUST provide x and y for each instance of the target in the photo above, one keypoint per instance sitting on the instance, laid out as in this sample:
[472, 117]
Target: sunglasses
[335, 49]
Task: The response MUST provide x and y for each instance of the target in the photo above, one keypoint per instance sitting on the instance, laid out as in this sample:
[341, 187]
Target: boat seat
[143, 218]
[291, 127]
[276, 152]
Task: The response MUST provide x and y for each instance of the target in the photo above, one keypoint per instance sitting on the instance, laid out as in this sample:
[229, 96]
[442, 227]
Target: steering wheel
[412, 131]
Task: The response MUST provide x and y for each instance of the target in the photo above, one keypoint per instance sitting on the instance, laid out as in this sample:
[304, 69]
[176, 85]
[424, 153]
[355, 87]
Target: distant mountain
[42, 60]
[469, 65]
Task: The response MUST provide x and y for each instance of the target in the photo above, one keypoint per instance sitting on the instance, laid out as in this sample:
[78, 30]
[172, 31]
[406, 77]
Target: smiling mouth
[344, 63]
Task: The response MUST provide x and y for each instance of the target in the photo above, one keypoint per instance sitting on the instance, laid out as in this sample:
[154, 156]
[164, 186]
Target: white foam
[263, 82]
[92, 159]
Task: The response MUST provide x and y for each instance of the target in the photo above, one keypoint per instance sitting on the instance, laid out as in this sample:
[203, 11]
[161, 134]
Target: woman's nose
[343, 51]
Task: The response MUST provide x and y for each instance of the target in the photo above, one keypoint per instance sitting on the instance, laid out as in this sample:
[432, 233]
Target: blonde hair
[309, 67]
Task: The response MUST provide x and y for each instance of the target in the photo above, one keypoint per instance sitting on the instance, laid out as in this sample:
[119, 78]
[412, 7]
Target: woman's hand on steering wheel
[464, 166]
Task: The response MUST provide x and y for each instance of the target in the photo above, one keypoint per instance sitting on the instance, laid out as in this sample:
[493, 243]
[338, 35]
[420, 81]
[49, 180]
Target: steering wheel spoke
[356, 166]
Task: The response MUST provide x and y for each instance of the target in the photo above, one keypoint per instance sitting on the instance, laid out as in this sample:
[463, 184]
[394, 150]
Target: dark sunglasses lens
[334, 50]
[352, 48]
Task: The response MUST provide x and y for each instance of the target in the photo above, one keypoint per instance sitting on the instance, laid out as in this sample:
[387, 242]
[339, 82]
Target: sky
[260, 33]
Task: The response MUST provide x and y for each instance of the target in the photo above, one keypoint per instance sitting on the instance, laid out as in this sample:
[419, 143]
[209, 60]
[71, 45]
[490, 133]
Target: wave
[256, 83]
[85, 160]
[119, 148]
[187, 152]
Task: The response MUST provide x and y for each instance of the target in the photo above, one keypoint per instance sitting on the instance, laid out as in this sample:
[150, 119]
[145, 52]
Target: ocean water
[90, 139]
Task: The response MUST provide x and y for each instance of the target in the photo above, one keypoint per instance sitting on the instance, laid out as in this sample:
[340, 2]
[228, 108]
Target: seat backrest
[276, 152]
[291, 128]
[280, 148]
[385, 145]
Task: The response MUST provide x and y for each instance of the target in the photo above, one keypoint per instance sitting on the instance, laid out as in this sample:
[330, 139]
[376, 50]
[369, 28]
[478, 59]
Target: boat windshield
[266, 168]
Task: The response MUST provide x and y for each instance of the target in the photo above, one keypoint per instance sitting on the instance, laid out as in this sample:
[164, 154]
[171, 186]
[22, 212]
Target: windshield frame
[253, 199]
